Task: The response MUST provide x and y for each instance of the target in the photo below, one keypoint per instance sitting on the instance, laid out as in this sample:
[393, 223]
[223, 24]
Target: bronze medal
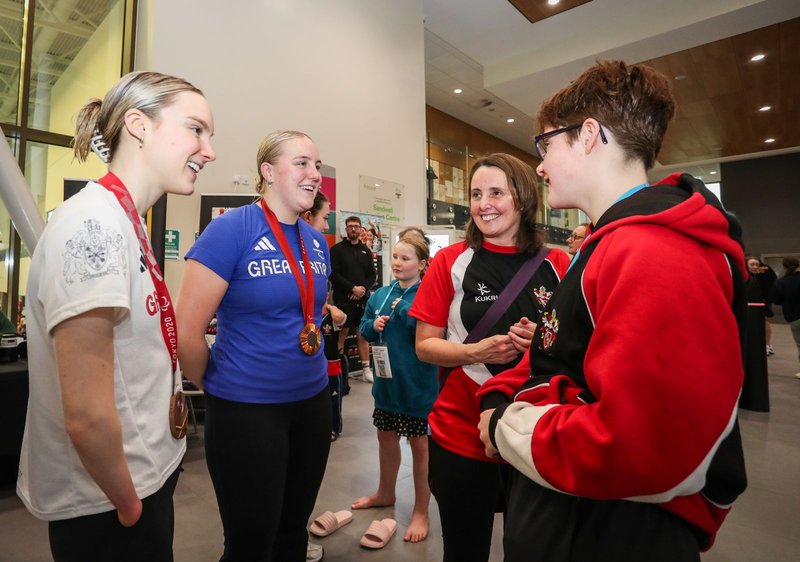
[309, 339]
[178, 415]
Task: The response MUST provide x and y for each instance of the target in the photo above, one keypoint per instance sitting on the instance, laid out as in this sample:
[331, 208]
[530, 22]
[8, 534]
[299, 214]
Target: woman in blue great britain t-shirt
[267, 435]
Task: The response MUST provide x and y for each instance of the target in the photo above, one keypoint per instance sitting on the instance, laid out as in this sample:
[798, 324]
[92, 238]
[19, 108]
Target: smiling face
[294, 177]
[753, 265]
[492, 206]
[367, 237]
[406, 265]
[178, 143]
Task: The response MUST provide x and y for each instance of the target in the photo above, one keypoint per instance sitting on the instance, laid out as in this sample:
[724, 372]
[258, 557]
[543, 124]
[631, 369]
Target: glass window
[7, 241]
[48, 167]
[11, 28]
[75, 56]
[77, 50]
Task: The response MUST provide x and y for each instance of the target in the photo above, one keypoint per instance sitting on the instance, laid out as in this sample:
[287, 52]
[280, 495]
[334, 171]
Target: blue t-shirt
[256, 357]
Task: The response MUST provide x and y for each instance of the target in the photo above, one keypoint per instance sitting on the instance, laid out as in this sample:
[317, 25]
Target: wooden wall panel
[447, 130]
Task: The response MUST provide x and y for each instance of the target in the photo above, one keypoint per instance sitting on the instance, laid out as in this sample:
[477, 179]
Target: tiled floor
[761, 527]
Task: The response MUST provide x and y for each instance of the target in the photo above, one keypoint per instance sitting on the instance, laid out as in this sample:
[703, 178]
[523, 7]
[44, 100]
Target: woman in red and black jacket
[462, 283]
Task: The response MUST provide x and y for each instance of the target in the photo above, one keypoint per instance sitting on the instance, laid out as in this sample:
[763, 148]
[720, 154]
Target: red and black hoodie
[636, 367]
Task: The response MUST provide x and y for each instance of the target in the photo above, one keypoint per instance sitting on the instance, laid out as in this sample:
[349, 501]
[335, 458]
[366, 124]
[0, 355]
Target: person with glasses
[623, 438]
[575, 239]
[352, 276]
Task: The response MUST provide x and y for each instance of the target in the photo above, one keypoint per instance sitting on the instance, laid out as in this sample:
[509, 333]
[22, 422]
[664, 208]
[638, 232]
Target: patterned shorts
[405, 426]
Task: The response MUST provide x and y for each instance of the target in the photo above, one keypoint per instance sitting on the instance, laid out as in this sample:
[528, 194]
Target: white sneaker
[770, 351]
[367, 372]
[314, 552]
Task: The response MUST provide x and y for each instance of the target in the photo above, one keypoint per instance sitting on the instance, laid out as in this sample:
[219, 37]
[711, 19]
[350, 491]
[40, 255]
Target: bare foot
[375, 500]
[418, 528]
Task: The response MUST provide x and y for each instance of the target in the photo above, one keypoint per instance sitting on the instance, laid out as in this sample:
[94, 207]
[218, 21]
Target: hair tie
[99, 147]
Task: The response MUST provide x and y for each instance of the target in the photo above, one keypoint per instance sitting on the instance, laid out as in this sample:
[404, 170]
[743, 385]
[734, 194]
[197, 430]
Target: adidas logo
[264, 244]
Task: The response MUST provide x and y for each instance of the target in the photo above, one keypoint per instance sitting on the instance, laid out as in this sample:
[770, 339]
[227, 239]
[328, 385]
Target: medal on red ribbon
[178, 412]
[309, 337]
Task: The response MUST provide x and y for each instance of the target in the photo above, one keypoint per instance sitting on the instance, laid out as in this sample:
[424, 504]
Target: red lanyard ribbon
[169, 328]
[307, 296]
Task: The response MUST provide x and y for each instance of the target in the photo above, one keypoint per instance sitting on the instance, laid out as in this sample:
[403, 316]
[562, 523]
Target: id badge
[380, 356]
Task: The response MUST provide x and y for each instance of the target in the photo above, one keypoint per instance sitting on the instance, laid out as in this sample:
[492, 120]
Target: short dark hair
[790, 265]
[352, 218]
[634, 102]
[525, 193]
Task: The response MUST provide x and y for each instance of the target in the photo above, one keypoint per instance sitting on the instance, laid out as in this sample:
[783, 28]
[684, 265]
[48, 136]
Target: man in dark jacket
[352, 276]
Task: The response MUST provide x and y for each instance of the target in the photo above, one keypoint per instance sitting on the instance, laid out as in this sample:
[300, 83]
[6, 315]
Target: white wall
[350, 73]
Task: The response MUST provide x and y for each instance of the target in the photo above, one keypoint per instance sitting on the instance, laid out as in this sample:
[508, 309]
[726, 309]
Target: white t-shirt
[88, 258]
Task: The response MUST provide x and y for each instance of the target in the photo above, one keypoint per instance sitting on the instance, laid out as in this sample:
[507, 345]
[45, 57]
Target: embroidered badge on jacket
[94, 251]
[549, 328]
[542, 295]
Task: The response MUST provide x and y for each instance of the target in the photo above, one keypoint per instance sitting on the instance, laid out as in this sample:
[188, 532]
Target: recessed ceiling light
[457, 91]
[764, 108]
[758, 57]
[770, 140]
[712, 173]
[553, 2]
[680, 77]
[510, 120]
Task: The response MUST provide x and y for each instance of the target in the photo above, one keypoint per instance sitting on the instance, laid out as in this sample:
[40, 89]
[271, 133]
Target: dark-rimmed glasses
[575, 237]
[541, 147]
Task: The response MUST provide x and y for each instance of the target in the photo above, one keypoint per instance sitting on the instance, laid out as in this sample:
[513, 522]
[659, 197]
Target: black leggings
[266, 462]
[102, 537]
[468, 493]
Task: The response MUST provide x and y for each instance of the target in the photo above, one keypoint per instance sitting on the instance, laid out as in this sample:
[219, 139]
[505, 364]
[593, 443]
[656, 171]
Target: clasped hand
[483, 428]
[504, 348]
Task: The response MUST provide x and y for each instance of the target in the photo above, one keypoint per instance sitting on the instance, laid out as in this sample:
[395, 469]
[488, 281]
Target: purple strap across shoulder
[512, 290]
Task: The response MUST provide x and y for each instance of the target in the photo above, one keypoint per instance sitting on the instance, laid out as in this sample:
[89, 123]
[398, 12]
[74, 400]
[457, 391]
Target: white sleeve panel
[513, 436]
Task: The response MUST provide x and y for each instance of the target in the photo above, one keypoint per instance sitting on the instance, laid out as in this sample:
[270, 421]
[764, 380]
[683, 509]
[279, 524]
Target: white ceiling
[492, 52]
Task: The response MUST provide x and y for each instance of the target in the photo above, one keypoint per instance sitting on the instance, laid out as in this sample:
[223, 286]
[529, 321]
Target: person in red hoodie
[624, 438]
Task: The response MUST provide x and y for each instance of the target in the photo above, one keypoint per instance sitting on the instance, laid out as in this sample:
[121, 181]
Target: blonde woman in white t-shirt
[100, 459]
